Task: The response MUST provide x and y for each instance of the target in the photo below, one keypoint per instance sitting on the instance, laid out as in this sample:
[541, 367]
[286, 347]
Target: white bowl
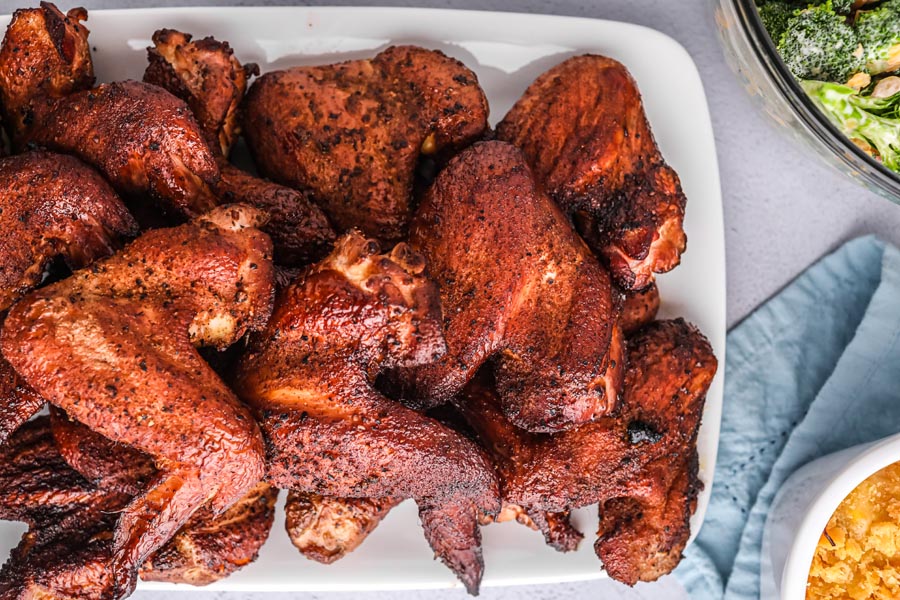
[803, 507]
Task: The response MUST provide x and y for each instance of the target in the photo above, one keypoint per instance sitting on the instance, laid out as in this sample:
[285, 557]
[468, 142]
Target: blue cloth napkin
[814, 370]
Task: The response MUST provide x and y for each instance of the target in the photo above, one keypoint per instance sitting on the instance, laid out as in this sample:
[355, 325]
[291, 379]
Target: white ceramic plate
[507, 51]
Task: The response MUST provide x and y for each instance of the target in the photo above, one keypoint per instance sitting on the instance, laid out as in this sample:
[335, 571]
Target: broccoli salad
[846, 55]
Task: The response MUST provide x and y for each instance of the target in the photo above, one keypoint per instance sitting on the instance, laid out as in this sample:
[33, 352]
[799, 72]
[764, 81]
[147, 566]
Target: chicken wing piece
[113, 345]
[643, 539]
[640, 465]
[639, 308]
[209, 547]
[64, 554]
[353, 132]
[70, 517]
[557, 528]
[141, 137]
[326, 529]
[309, 377]
[583, 130]
[207, 75]
[52, 205]
[517, 286]
[45, 54]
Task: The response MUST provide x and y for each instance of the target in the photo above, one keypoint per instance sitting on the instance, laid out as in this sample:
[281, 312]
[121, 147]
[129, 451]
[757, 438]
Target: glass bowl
[752, 55]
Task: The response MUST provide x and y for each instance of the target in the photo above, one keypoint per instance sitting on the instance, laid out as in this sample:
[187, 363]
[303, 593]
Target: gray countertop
[783, 207]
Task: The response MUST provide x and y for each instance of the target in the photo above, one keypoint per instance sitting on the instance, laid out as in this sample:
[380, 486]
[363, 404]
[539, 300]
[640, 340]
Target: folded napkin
[813, 371]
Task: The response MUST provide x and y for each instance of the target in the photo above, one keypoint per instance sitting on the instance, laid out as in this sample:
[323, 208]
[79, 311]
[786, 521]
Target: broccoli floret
[871, 123]
[879, 34]
[819, 44]
[775, 16]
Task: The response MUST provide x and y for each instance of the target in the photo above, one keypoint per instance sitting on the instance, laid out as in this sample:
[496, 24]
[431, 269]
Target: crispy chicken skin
[113, 345]
[52, 205]
[639, 308]
[352, 132]
[640, 466]
[518, 286]
[309, 377]
[68, 515]
[141, 137]
[44, 54]
[207, 75]
[326, 529]
[583, 130]
[107, 465]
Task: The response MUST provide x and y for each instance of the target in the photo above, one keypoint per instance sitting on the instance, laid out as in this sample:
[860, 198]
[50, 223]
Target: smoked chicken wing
[45, 54]
[51, 206]
[114, 346]
[640, 466]
[352, 132]
[583, 130]
[67, 551]
[309, 376]
[207, 75]
[141, 137]
[517, 286]
[208, 547]
[144, 140]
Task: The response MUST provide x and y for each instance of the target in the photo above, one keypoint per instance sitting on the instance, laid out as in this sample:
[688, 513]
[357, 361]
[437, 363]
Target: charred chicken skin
[45, 54]
[583, 130]
[114, 346]
[67, 552]
[352, 133]
[207, 75]
[53, 206]
[640, 466]
[309, 376]
[517, 286]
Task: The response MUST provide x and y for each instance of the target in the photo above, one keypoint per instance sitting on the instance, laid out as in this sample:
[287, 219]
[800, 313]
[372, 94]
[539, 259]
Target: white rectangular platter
[507, 51]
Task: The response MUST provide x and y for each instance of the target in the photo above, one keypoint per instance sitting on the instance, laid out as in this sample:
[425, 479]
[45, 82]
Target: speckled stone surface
[783, 210]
